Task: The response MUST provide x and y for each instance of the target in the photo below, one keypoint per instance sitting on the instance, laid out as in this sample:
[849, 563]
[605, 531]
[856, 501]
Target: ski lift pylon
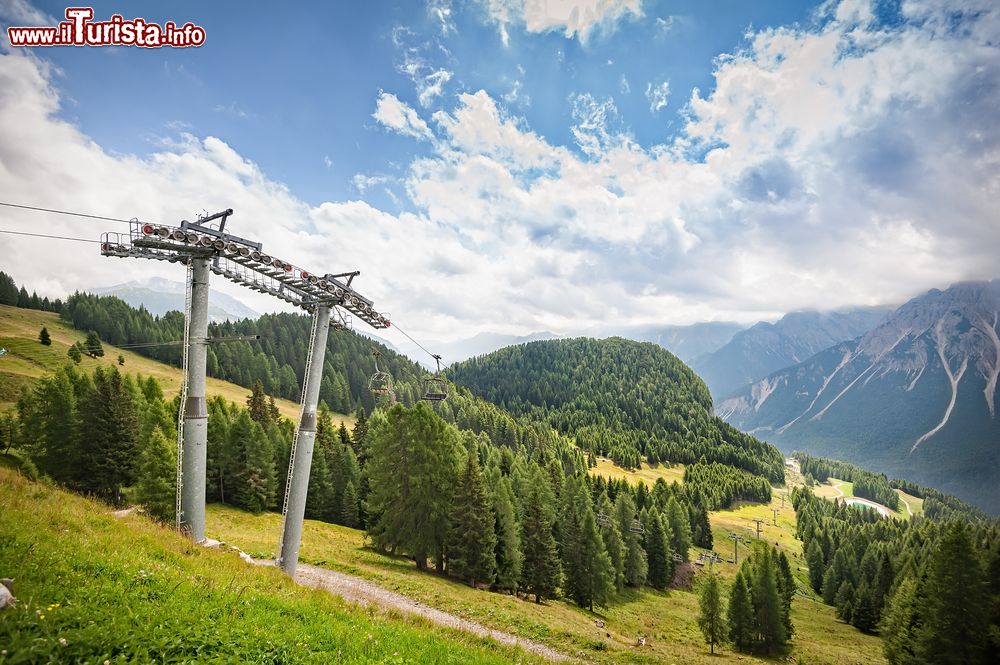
[435, 388]
[380, 382]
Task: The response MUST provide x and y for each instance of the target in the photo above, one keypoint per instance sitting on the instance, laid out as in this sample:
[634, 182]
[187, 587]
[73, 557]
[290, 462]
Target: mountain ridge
[916, 396]
[767, 347]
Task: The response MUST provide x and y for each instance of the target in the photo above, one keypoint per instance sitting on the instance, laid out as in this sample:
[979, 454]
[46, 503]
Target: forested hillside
[277, 360]
[620, 399]
[930, 587]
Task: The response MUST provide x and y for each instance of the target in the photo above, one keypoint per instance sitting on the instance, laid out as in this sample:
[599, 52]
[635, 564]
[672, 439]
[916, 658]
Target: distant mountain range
[767, 347]
[915, 397]
[686, 342]
[159, 296]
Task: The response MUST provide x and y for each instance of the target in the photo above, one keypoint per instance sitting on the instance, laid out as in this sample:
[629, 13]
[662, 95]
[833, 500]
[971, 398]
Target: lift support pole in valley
[300, 462]
[195, 454]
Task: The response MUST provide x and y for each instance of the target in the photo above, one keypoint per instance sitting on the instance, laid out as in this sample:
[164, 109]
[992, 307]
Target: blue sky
[515, 166]
[296, 86]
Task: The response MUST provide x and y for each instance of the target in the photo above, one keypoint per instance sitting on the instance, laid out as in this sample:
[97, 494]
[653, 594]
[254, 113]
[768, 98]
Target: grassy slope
[131, 591]
[27, 360]
[667, 619]
[828, 490]
[644, 473]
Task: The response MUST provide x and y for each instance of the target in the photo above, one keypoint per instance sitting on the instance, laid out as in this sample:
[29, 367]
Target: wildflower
[62, 641]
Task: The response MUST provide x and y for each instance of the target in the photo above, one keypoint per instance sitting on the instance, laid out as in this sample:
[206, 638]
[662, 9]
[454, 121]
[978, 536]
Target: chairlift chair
[602, 520]
[435, 387]
[636, 527]
[380, 382]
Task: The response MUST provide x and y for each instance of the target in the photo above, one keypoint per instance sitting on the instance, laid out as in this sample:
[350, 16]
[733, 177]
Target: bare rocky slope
[916, 397]
[767, 347]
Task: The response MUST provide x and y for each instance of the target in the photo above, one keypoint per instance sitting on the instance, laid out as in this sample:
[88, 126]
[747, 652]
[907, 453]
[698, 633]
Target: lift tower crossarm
[206, 250]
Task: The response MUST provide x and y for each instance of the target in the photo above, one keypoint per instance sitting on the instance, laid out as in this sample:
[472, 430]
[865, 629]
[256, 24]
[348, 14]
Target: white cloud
[574, 18]
[441, 11]
[665, 24]
[23, 13]
[231, 109]
[658, 96]
[400, 117]
[431, 86]
[623, 86]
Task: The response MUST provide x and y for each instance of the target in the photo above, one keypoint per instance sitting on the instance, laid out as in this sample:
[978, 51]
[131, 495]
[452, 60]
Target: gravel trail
[361, 591]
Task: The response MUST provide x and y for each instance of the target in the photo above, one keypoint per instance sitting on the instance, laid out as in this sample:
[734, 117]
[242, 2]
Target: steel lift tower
[207, 249]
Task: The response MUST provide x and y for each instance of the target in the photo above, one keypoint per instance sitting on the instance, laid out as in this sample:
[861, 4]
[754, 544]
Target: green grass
[27, 360]
[93, 588]
[645, 473]
[829, 489]
[667, 619]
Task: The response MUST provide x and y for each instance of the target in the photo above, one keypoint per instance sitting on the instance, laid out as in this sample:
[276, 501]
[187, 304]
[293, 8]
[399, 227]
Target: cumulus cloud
[843, 163]
[400, 117]
[574, 18]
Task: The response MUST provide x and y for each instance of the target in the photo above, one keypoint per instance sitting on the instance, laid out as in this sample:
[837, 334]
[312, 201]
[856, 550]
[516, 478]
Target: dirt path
[905, 503]
[836, 486]
[361, 591]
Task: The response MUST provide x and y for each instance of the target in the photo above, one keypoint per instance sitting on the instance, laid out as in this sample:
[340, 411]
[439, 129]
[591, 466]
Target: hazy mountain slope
[160, 296]
[686, 342]
[768, 347]
[916, 397]
[618, 398]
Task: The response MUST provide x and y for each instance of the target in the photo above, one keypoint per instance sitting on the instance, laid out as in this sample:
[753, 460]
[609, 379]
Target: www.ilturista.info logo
[80, 30]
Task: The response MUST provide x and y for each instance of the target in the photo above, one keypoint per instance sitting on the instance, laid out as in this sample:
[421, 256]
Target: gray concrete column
[195, 409]
[297, 486]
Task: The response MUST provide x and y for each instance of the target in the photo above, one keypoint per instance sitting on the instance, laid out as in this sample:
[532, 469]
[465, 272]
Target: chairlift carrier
[435, 387]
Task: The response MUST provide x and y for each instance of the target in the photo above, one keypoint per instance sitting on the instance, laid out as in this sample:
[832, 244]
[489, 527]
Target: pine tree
[93, 345]
[74, 354]
[8, 290]
[156, 489]
[769, 620]
[349, 515]
[319, 498]
[540, 571]
[863, 617]
[508, 535]
[901, 623]
[412, 467]
[44, 338]
[108, 435]
[575, 503]
[955, 608]
[634, 564]
[786, 589]
[121, 360]
[658, 554]
[680, 527]
[740, 614]
[843, 601]
[596, 582]
[257, 404]
[814, 559]
[48, 417]
[471, 536]
[254, 483]
[710, 617]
